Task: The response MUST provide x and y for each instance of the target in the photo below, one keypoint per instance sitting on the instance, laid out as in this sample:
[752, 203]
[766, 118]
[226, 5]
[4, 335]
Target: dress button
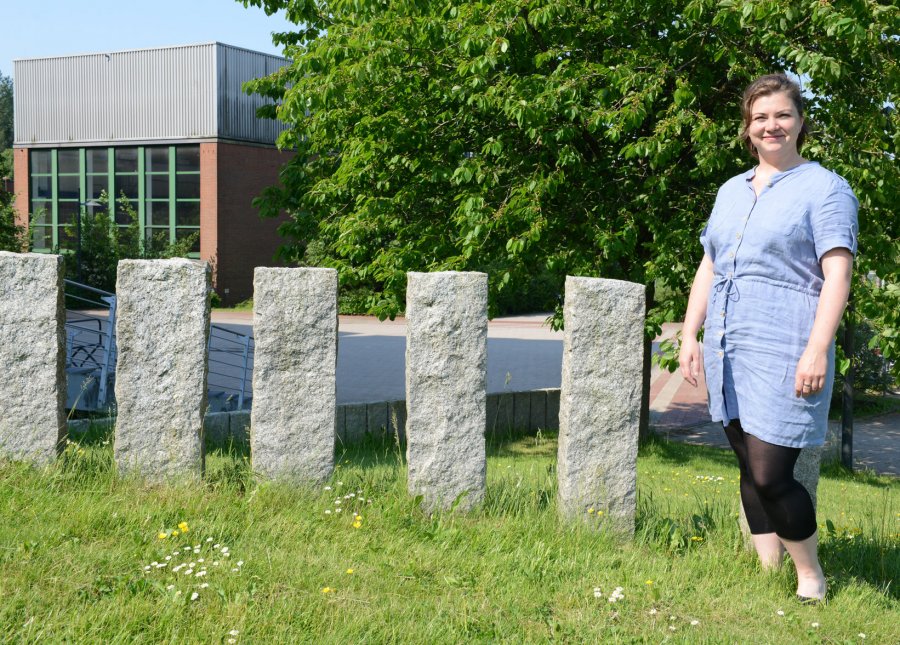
[722, 313]
[730, 274]
[731, 255]
[721, 333]
[721, 354]
[738, 236]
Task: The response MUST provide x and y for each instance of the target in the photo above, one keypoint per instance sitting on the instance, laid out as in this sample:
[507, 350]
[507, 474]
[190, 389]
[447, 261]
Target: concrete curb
[507, 412]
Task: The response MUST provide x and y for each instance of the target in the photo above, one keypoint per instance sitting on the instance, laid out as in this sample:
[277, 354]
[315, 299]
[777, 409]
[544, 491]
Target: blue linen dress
[766, 251]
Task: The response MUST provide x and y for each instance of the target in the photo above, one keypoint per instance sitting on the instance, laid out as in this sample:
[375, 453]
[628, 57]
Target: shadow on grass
[676, 452]
[838, 472]
[849, 561]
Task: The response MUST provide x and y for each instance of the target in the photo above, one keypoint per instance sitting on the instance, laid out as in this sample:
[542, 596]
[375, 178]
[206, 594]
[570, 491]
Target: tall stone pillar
[446, 383]
[33, 357]
[600, 401]
[162, 328]
[295, 326]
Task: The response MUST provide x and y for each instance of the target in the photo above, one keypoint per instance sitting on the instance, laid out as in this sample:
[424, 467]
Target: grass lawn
[86, 556]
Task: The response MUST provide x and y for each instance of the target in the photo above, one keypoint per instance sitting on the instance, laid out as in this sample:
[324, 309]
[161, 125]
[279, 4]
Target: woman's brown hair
[765, 86]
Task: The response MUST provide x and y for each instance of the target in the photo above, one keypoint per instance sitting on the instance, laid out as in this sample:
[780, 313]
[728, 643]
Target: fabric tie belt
[725, 284]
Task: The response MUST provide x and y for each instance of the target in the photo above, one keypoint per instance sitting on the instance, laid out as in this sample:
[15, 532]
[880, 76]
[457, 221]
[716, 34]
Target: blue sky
[37, 28]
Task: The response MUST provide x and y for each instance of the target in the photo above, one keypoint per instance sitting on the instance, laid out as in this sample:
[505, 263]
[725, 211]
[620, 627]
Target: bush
[103, 244]
[12, 236]
[871, 371]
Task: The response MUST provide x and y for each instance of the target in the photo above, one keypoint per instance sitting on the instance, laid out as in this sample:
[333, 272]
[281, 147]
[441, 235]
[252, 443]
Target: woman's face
[774, 125]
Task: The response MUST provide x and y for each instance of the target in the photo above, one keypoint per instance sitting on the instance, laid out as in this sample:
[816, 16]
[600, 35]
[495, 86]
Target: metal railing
[91, 355]
[90, 347]
[230, 375]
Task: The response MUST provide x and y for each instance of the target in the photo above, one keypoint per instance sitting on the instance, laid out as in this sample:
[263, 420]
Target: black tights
[774, 501]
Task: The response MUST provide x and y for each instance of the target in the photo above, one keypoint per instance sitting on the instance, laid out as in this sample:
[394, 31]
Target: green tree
[6, 112]
[103, 244]
[537, 139]
[12, 236]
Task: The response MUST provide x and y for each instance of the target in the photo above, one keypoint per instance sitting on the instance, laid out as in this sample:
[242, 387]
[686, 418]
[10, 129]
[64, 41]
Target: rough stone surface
[239, 425]
[397, 418]
[354, 422]
[600, 402]
[340, 421]
[377, 418]
[521, 411]
[538, 419]
[446, 381]
[553, 409]
[79, 427]
[162, 326]
[33, 356]
[295, 326]
[216, 427]
[500, 413]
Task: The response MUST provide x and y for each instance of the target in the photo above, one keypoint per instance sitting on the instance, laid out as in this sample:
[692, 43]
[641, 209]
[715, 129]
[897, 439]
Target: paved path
[524, 354]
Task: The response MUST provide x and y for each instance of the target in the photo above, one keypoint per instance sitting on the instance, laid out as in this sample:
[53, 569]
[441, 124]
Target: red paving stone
[688, 406]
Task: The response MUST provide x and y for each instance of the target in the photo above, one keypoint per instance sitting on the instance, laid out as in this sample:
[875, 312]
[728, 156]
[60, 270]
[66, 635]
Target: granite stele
[446, 383]
[600, 402]
[295, 325]
[162, 326]
[33, 356]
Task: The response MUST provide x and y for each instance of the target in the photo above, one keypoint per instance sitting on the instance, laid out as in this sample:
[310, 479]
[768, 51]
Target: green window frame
[162, 184]
[42, 198]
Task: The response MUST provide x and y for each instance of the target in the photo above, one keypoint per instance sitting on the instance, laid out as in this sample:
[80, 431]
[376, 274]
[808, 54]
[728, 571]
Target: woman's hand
[813, 364]
[689, 359]
[811, 369]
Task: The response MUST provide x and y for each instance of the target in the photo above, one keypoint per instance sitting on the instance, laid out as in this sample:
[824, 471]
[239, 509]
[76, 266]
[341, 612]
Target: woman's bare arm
[813, 364]
[689, 356]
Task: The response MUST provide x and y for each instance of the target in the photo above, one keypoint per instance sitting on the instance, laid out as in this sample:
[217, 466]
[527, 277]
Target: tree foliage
[534, 139]
[103, 244]
[6, 112]
[12, 236]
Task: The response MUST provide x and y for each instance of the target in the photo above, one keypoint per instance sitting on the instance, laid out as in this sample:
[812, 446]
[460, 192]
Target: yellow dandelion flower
[174, 533]
[183, 526]
[591, 511]
[163, 536]
[599, 512]
[327, 589]
[356, 525]
[648, 582]
[358, 518]
[349, 571]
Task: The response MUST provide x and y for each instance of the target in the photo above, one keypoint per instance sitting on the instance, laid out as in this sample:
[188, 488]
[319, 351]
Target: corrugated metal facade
[166, 94]
[237, 110]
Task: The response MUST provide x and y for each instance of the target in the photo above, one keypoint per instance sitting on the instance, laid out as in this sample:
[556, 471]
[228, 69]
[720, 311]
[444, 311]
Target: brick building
[171, 130]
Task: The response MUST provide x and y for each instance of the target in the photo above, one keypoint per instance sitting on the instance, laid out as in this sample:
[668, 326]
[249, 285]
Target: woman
[770, 292]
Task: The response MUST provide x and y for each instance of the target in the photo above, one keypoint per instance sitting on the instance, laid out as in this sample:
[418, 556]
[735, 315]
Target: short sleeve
[705, 240]
[835, 222]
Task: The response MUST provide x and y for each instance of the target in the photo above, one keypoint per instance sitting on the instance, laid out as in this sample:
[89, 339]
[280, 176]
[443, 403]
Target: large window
[42, 199]
[160, 184]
